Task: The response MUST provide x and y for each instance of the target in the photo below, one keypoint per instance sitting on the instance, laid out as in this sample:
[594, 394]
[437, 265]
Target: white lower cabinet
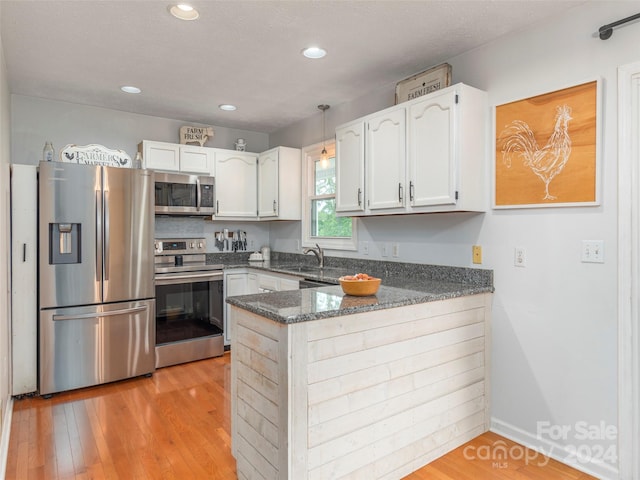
[245, 281]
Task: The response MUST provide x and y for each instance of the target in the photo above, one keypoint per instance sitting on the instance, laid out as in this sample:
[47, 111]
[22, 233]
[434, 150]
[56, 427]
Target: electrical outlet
[364, 247]
[384, 250]
[395, 250]
[297, 245]
[592, 251]
[477, 254]
[251, 245]
[520, 257]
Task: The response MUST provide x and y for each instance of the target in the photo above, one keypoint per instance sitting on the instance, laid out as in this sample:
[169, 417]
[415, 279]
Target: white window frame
[309, 155]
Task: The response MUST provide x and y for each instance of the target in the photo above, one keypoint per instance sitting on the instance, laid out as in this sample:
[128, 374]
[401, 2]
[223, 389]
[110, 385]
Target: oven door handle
[190, 278]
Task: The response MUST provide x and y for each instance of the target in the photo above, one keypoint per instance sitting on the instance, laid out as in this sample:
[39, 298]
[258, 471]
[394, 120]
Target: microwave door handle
[198, 194]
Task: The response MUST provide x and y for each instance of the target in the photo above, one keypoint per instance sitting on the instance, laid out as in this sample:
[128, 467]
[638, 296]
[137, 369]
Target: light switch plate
[592, 251]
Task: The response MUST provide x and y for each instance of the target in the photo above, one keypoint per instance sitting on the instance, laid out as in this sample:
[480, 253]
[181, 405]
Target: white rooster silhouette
[546, 162]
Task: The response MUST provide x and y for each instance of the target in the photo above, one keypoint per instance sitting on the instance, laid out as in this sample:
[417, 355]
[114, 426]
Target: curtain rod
[606, 31]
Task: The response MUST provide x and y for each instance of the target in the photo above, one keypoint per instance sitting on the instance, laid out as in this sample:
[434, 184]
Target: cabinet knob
[400, 192]
[359, 197]
[274, 206]
[411, 191]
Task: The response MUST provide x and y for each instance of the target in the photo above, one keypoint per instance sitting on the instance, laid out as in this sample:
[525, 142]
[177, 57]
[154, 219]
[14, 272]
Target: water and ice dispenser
[64, 243]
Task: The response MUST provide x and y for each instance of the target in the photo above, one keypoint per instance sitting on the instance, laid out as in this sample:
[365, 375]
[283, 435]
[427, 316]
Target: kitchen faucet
[317, 252]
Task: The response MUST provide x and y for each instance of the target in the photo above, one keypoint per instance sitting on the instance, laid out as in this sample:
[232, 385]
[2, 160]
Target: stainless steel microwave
[183, 194]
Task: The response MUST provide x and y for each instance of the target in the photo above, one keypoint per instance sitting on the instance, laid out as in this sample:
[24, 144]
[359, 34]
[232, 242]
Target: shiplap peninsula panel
[373, 395]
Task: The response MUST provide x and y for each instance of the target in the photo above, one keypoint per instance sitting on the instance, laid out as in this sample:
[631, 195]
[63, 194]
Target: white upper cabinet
[268, 187]
[174, 157]
[197, 159]
[447, 135]
[248, 186]
[279, 184]
[425, 155]
[236, 184]
[385, 160]
[350, 167]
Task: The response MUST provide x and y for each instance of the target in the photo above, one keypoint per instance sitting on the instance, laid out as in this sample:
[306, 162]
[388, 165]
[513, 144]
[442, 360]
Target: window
[319, 222]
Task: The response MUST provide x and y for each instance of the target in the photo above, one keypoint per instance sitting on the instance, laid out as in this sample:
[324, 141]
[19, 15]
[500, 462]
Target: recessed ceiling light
[130, 89]
[184, 11]
[227, 107]
[314, 52]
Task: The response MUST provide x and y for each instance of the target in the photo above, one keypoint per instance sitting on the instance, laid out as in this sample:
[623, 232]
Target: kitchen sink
[315, 270]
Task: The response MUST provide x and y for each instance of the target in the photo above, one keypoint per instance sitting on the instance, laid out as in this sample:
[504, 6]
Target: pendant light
[324, 156]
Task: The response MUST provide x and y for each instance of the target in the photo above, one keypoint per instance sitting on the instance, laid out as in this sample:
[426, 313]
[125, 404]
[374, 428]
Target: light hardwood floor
[175, 425]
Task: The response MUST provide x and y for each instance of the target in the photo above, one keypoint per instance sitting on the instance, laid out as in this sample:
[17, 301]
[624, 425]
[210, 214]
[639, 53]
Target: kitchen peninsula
[326, 385]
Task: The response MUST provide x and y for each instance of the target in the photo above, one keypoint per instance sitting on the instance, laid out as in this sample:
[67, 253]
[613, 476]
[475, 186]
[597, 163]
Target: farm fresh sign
[197, 135]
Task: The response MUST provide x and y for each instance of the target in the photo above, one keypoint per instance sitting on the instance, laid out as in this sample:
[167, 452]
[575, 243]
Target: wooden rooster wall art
[546, 149]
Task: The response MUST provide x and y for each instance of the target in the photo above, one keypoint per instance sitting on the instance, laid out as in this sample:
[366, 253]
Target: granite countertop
[402, 284]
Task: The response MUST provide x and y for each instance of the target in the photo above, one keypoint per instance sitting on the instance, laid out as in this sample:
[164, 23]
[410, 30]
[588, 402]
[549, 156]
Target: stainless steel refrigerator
[96, 290]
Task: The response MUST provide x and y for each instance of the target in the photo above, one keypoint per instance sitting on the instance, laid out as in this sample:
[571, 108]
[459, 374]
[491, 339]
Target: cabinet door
[234, 284]
[432, 150]
[350, 168]
[24, 283]
[161, 156]
[195, 159]
[252, 283]
[236, 184]
[268, 184]
[386, 160]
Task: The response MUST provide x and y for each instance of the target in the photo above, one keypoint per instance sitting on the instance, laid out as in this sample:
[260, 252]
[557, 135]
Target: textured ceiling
[241, 52]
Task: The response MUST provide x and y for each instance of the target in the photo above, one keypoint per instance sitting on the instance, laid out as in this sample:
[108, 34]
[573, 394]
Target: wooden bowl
[360, 288]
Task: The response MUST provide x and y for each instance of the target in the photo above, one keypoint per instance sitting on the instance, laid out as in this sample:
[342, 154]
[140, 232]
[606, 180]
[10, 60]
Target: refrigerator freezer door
[128, 234]
[86, 346]
[70, 202]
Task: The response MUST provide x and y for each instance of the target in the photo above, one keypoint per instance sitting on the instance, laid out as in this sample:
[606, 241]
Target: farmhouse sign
[197, 135]
[423, 83]
[95, 155]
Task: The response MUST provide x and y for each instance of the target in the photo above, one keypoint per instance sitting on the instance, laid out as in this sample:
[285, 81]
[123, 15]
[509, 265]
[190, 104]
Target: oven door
[189, 306]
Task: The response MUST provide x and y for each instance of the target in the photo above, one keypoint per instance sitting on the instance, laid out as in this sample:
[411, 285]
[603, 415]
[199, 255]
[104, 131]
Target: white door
[24, 300]
[431, 151]
[629, 271]
[350, 168]
[386, 160]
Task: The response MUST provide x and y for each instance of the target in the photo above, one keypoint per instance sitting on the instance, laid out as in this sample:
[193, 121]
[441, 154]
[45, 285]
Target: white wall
[555, 321]
[36, 120]
[5, 255]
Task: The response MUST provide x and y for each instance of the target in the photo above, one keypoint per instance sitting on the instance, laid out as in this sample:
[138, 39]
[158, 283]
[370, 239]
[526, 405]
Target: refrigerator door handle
[98, 237]
[107, 245]
[82, 316]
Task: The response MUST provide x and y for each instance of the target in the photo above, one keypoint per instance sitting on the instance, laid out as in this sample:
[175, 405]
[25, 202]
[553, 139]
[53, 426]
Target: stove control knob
[200, 245]
[192, 245]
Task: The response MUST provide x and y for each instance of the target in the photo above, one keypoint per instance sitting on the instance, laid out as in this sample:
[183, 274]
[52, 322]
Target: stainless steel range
[189, 302]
